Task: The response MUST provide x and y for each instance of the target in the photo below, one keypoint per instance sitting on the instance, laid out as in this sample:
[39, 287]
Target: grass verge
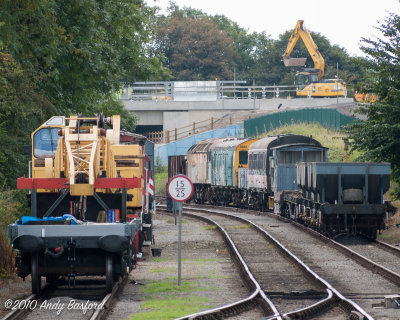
[166, 300]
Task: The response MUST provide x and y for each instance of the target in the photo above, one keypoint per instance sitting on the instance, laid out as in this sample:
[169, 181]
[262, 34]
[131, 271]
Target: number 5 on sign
[180, 188]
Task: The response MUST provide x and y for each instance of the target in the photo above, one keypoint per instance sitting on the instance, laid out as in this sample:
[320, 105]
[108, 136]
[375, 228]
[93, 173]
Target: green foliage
[22, 109]
[167, 300]
[78, 52]
[379, 136]
[195, 48]
[171, 308]
[13, 206]
[7, 263]
[192, 52]
[331, 139]
[160, 177]
[67, 58]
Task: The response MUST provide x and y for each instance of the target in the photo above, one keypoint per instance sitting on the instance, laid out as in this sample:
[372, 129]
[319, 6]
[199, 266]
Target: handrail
[168, 90]
[188, 130]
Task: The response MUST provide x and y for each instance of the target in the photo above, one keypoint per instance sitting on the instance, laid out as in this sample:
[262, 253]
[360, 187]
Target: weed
[7, 257]
[241, 226]
[210, 227]
[329, 138]
[160, 259]
[164, 269]
[161, 178]
[171, 307]
[169, 286]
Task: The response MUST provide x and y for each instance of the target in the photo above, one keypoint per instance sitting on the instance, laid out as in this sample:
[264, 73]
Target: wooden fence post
[176, 134]
[194, 127]
[212, 123]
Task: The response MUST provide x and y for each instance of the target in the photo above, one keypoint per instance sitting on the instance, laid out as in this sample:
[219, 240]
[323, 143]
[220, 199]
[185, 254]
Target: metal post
[234, 83]
[123, 205]
[147, 190]
[33, 203]
[179, 243]
[174, 210]
[337, 82]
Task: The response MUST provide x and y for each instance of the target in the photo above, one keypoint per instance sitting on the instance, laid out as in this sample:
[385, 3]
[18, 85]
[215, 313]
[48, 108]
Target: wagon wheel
[109, 273]
[35, 273]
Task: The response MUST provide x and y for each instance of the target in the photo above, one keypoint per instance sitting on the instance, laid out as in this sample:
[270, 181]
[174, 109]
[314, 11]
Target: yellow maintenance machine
[90, 205]
[310, 81]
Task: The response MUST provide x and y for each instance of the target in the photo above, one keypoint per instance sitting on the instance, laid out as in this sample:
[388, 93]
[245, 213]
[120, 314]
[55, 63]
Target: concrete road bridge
[171, 111]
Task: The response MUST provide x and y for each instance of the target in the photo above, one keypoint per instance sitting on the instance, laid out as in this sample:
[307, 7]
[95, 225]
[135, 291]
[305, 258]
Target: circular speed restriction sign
[180, 188]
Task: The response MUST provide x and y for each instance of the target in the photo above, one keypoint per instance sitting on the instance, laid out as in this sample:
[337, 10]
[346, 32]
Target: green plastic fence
[326, 117]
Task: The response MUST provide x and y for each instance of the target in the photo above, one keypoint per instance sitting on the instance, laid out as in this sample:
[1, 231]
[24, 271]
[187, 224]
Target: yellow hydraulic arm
[312, 48]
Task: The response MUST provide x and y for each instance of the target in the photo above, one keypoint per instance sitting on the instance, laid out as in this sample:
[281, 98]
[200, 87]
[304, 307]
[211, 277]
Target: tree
[22, 109]
[78, 51]
[195, 49]
[379, 136]
[66, 58]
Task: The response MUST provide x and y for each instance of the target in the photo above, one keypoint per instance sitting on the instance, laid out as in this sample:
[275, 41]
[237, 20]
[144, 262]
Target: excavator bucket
[294, 62]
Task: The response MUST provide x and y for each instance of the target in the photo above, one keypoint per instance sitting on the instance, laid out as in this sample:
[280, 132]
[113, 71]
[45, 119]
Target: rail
[332, 294]
[205, 91]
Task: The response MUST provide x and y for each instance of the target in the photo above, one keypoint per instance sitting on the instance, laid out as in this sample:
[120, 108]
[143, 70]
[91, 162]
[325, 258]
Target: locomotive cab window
[45, 142]
[242, 157]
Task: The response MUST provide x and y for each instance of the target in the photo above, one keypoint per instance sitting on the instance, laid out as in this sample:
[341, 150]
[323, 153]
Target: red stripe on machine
[61, 183]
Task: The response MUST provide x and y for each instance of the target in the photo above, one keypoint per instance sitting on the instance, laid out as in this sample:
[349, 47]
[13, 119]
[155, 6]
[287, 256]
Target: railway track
[281, 284]
[356, 276]
[87, 300]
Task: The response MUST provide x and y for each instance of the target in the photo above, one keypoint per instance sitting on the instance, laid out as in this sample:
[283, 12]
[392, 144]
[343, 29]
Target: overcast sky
[343, 22]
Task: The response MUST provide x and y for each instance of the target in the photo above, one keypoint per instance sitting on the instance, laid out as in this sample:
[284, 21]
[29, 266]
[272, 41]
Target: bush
[7, 264]
[13, 206]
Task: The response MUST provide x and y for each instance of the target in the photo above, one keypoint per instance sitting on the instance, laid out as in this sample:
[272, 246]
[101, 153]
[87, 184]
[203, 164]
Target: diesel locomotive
[290, 174]
[90, 212]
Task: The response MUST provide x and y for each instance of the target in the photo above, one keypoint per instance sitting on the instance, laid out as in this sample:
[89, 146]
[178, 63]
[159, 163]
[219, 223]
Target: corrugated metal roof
[291, 145]
[229, 144]
[204, 146]
[282, 139]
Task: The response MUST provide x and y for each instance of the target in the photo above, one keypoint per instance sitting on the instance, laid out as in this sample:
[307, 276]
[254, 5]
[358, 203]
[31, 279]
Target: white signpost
[180, 189]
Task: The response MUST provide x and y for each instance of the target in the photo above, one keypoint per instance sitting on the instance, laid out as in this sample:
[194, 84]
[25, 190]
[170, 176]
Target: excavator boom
[300, 31]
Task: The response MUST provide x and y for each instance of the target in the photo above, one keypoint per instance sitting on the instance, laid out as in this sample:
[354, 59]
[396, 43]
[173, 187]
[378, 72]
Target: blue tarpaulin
[27, 219]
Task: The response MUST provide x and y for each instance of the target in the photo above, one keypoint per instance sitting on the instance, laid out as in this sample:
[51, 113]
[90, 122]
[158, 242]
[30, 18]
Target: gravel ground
[282, 281]
[367, 249]
[205, 262]
[352, 280]
[14, 289]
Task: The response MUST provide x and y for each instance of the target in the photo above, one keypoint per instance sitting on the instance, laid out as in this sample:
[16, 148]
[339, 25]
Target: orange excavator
[363, 97]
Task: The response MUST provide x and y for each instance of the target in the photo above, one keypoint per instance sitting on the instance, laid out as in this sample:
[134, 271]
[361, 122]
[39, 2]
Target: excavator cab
[303, 79]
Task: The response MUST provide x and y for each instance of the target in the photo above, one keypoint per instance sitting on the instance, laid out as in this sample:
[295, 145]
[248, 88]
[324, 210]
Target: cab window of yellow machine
[45, 142]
